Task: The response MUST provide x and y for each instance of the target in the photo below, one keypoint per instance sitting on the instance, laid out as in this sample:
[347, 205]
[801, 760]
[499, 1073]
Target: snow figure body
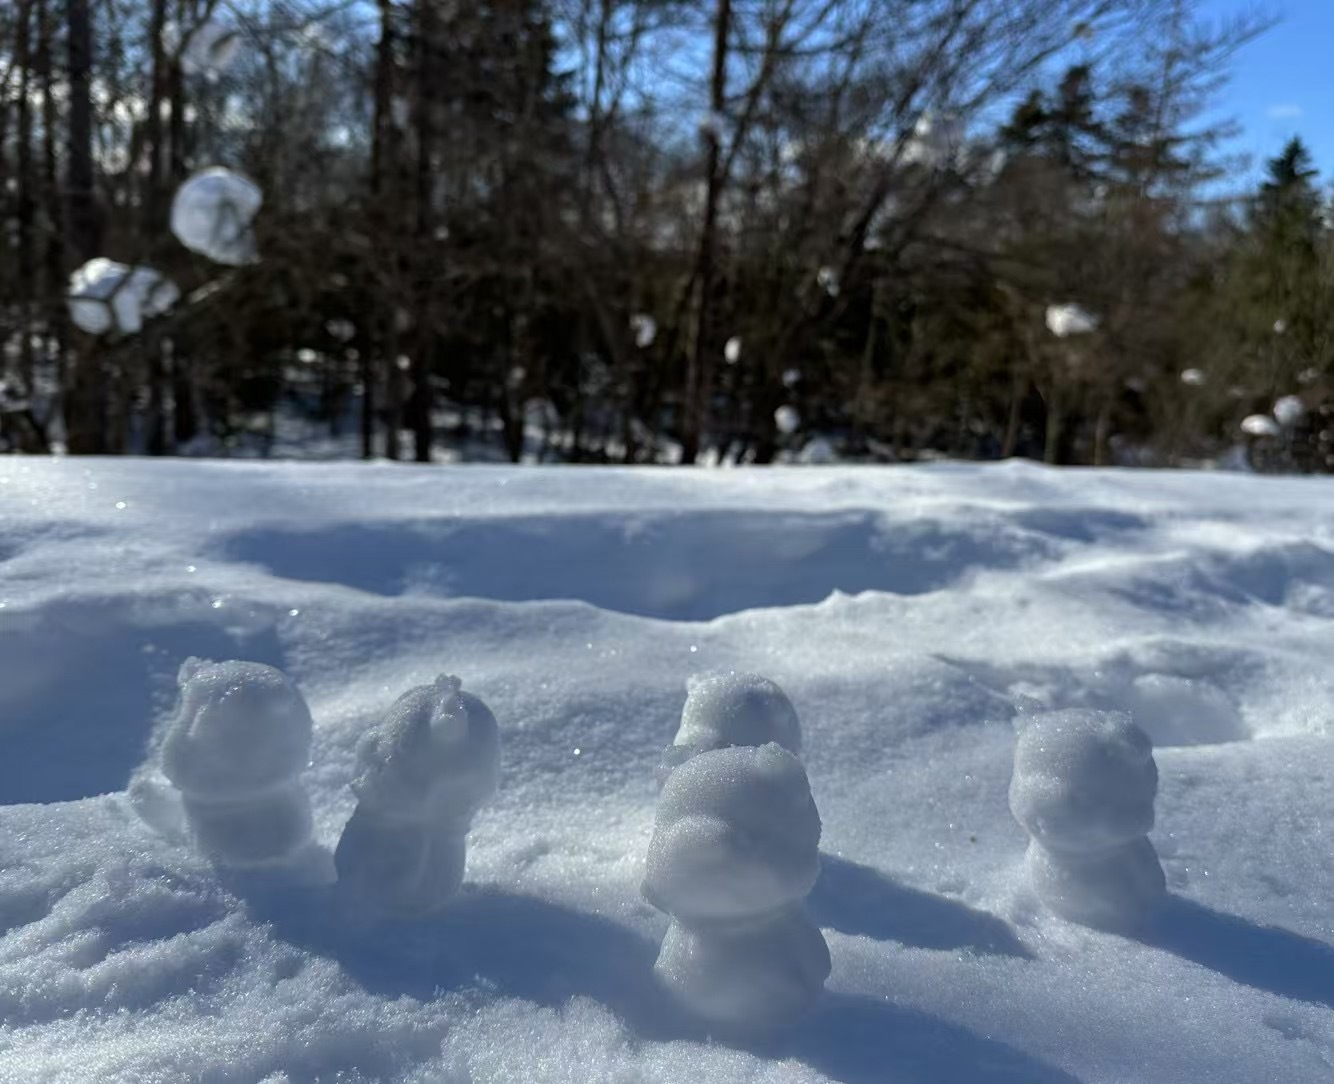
[726, 709]
[735, 851]
[235, 750]
[423, 773]
[1083, 787]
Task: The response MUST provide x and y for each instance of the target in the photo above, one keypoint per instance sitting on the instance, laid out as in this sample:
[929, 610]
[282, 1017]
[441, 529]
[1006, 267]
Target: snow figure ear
[449, 716]
[189, 669]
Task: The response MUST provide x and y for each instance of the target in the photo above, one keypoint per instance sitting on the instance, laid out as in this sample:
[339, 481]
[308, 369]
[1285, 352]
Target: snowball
[1288, 410]
[106, 296]
[422, 774]
[1194, 377]
[828, 280]
[787, 419]
[342, 330]
[212, 214]
[1083, 787]
[1260, 425]
[712, 125]
[727, 709]
[732, 350]
[935, 141]
[209, 49]
[1070, 319]
[645, 329]
[735, 850]
[235, 749]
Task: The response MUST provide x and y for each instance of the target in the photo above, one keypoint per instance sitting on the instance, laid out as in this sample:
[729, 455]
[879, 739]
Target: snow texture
[235, 750]
[106, 296]
[212, 213]
[735, 850]
[422, 774]
[729, 708]
[906, 611]
[1083, 788]
[1066, 320]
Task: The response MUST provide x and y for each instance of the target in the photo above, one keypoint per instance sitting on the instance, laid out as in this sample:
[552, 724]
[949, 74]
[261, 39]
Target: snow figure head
[212, 212]
[435, 756]
[242, 729]
[1084, 781]
[724, 709]
[736, 834]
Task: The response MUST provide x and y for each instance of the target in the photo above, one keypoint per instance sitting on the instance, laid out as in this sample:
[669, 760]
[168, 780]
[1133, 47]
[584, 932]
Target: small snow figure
[424, 771]
[212, 212]
[735, 850]
[236, 750]
[1083, 787]
[726, 709]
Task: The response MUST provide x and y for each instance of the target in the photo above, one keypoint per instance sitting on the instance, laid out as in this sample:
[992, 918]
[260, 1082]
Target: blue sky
[1283, 82]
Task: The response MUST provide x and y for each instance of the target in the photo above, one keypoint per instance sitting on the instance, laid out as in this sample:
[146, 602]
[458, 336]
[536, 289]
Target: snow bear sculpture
[423, 773]
[725, 709]
[1083, 787]
[735, 851]
[235, 750]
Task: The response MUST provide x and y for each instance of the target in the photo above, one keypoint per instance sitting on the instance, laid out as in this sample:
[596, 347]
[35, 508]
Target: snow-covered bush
[1083, 787]
[726, 709]
[212, 212]
[106, 296]
[735, 850]
[236, 749]
[422, 774]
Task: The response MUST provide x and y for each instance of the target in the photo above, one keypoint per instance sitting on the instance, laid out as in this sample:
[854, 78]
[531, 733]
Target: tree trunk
[419, 404]
[85, 431]
[699, 368]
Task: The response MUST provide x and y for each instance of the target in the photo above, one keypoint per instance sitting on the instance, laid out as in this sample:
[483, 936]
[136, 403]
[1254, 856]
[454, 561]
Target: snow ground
[906, 611]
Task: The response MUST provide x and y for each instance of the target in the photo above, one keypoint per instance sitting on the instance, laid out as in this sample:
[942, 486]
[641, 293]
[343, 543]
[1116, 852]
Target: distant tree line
[661, 231]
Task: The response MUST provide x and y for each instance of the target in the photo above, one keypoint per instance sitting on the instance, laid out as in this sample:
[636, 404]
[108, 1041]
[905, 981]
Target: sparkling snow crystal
[735, 850]
[212, 213]
[423, 773]
[726, 709]
[236, 749]
[1083, 786]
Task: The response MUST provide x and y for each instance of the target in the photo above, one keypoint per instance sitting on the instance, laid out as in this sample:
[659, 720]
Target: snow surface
[909, 614]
